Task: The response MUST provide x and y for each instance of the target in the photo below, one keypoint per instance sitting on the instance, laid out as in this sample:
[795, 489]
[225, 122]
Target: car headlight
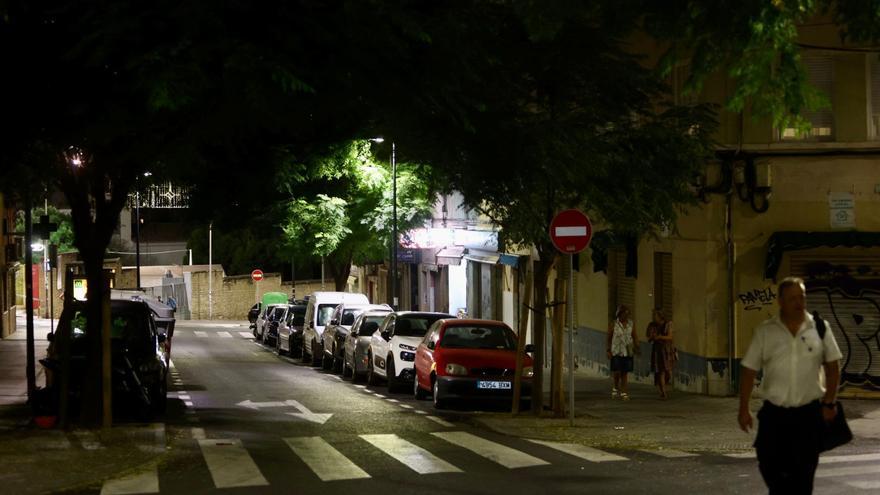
[406, 347]
[407, 356]
[456, 370]
[528, 372]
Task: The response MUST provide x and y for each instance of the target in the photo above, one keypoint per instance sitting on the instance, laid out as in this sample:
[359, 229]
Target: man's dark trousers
[788, 447]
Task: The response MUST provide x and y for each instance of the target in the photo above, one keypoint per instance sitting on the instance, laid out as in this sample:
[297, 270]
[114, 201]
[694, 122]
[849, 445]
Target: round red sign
[571, 231]
[257, 275]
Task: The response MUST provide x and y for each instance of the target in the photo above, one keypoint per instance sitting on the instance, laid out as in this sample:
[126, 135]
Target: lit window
[820, 71]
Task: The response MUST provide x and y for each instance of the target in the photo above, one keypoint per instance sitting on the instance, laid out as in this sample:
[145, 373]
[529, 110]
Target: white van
[318, 312]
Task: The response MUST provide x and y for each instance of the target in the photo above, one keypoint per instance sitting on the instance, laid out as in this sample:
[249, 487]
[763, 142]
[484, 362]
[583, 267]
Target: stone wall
[234, 296]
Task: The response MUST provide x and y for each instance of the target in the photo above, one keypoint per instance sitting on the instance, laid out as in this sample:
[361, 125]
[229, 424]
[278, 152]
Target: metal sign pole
[571, 339]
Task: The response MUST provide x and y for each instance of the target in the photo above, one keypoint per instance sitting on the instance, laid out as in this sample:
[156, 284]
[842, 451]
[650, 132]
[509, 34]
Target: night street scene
[420, 247]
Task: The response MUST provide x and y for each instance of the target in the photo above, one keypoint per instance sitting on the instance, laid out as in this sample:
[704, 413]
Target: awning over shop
[450, 255]
[780, 242]
[482, 256]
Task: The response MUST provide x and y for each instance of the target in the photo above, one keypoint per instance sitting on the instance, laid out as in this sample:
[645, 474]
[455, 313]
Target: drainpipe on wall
[731, 302]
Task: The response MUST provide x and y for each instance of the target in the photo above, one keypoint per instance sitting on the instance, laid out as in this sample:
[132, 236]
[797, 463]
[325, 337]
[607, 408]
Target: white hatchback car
[393, 348]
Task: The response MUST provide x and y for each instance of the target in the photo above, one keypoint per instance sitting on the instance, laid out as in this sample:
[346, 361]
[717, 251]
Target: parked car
[163, 314]
[357, 343]
[318, 312]
[263, 321]
[469, 359]
[333, 339]
[138, 361]
[254, 313]
[267, 299]
[290, 331]
[393, 347]
[270, 330]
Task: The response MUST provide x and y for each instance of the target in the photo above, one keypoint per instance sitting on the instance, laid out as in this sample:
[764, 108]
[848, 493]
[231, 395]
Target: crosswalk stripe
[501, 454]
[200, 333]
[88, 440]
[742, 455]
[225, 335]
[441, 422]
[325, 461]
[669, 453]
[410, 455]
[864, 484]
[848, 471]
[849, 458]
[230, 464]
[581, 451]
[146, 481]
[246, 335]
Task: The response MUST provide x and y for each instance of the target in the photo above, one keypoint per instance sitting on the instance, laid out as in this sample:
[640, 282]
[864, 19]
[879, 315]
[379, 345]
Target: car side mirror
[530, 348]
[386, 335]
[162, 338]
[430, 344]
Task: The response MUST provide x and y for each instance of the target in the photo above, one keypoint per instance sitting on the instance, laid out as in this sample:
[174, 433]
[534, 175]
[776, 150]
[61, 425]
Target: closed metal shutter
[663, 288]
[621, 289]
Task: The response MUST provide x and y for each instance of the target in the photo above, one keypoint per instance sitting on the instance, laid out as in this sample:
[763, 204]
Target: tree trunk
[340, 269]
[542, 274]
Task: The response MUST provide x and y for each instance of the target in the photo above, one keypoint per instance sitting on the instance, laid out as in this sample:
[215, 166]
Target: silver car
[333, 339]
[357, 343]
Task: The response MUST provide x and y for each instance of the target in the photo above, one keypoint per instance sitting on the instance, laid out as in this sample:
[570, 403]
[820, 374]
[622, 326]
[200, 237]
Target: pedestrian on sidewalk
[622, 345]
[663, 354]
[789, 350]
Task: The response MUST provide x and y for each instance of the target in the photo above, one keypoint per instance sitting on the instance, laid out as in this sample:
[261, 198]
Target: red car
[476, 359]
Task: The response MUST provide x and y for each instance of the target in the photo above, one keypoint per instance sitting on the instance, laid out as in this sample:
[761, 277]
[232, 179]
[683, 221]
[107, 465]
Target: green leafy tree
[62, 237]
[349, 221]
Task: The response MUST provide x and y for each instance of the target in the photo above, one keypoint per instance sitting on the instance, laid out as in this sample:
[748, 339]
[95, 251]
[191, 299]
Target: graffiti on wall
[854, 313]
[757, 299]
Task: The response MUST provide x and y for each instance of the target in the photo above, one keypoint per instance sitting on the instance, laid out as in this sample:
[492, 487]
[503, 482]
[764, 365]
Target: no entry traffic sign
[257, 275]
[571, 231]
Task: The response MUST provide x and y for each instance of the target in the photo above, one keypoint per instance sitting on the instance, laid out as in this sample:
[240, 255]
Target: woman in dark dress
[663, 355]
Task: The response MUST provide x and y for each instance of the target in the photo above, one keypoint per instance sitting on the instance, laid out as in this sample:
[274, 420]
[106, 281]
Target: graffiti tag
[756, 299]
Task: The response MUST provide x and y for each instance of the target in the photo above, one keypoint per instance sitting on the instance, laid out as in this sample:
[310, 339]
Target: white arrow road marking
[146, 481]
[230, 464]
[502, 454]
[324, 460]
[582, 451]
[410, 455]
[306, 414]
[256, 405]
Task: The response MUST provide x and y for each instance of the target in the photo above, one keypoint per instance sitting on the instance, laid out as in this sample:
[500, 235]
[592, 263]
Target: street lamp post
[137, 244]
[394, 300]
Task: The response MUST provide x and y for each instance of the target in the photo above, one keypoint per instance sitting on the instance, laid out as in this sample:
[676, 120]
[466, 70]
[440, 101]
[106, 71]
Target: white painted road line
[360, 386]
[419, 411]
[441, 422]
[88, 440]
[225, 335]
[405, 406]
[581, 451]
[336, 377]
[849, 458]
[502, 454]
[198, 433]
[246, 335]
[393, 400]
[848, 471]
[410, 455]
[864, 485]
[669, 453]
[184, 397]
[742, 455]
[146, 481]
[325, 461]
[188, 403]
[200, 333]
[230, 464]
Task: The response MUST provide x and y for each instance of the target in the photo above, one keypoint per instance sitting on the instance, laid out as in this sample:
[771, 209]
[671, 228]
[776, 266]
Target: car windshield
[370, 325]
[478, 337]
[278, 313]
[325, 311]
[349, 315]
[128, 329]
[296, 316]
[414, 325]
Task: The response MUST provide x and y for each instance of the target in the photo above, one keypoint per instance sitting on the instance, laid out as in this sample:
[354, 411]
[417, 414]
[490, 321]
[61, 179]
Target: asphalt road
[244, 420]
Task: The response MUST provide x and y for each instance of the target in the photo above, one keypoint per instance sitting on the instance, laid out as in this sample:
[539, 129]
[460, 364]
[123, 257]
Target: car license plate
[493, 385]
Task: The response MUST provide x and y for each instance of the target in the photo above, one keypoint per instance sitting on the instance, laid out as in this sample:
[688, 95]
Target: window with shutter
[663, 289]
[820, 72]
[875, 96]
[621, 289]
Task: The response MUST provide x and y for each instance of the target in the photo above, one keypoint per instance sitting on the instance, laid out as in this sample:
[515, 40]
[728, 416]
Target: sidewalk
[685, 421]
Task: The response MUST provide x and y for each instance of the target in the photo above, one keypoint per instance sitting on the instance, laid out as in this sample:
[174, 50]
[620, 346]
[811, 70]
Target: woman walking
[663, 351]
[623, 343]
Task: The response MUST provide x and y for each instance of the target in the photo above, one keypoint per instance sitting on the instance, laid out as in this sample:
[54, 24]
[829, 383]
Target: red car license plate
[493, 385]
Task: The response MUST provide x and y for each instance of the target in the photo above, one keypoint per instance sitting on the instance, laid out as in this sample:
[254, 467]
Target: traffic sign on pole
[571, 232]
[257, 275]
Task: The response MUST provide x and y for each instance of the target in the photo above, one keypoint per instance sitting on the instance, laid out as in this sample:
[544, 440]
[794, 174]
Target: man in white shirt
[789, 350]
